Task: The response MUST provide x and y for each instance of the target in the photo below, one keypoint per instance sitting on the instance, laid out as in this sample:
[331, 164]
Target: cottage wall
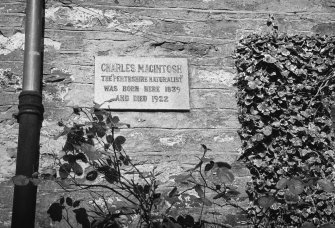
[203, 31]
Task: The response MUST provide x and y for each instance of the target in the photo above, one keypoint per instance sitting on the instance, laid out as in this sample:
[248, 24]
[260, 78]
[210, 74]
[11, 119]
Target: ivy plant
[286, 88]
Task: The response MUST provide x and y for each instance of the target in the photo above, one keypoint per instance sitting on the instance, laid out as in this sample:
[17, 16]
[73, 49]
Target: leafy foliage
[95, 143]
[60, 210]
[285, 91]
[98, 145]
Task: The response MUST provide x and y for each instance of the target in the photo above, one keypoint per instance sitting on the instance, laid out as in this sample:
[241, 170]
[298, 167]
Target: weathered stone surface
[203, 31]
[12, 20]
[8, 98]
[173, 142]
[324, 29]
[213, 99]
[231, 5]
[12, 7]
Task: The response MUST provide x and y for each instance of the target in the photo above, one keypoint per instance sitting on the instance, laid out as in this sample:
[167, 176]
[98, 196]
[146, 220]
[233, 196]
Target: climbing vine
[286, 87]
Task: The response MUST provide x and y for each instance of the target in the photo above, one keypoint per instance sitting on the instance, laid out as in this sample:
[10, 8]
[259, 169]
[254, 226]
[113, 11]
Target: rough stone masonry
[203, 31]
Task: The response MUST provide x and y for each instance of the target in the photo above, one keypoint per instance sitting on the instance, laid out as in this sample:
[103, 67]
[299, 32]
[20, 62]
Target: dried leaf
[326, 185]
[295, 186]
[266, 201]
[282, 183]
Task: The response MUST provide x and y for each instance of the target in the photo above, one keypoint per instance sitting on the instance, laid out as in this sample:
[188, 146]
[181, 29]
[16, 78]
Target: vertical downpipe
[30, 116]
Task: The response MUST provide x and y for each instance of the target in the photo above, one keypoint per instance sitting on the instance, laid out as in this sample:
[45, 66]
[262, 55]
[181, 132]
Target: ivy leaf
[282, 183]
[64, 170]
[111, 175]
[100, 129]
[117, 144]
[257, 137]
[115, 120]
[266, 201]
[267, 131]
[146, 189]
[55, 212]
[92, 175]
[110, 139]
[76, 203]
[77, 110]
[252, 85]
[77, 169]
[188, 221]
[223, 165]
[291, 198]
[209, 166]
[231, 193]
[62, 200]
[82, 157]
[269, 59]
[82, 217]
[308, 225]
[157, 198]
[326, 185]
[69, 201]
[99, 116]
[70, 158]
[295, 186]
[173, 192]
[285, 52]
[206, 202]
[219, 195]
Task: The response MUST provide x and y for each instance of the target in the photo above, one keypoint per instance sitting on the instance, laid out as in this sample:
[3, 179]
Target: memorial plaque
[129, 83]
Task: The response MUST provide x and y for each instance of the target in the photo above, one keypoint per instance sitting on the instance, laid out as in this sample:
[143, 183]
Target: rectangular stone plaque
[129, 83]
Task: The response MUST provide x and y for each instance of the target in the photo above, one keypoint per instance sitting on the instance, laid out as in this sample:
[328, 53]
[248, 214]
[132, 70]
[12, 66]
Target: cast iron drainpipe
[30, 116]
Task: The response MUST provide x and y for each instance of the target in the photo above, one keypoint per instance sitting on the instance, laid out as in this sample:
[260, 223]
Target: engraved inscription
[141, 83]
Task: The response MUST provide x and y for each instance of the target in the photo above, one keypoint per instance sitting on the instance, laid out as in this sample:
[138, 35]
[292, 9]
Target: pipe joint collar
[30, 102]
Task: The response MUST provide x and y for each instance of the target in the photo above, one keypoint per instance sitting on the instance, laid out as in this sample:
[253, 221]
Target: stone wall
[203, 31]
